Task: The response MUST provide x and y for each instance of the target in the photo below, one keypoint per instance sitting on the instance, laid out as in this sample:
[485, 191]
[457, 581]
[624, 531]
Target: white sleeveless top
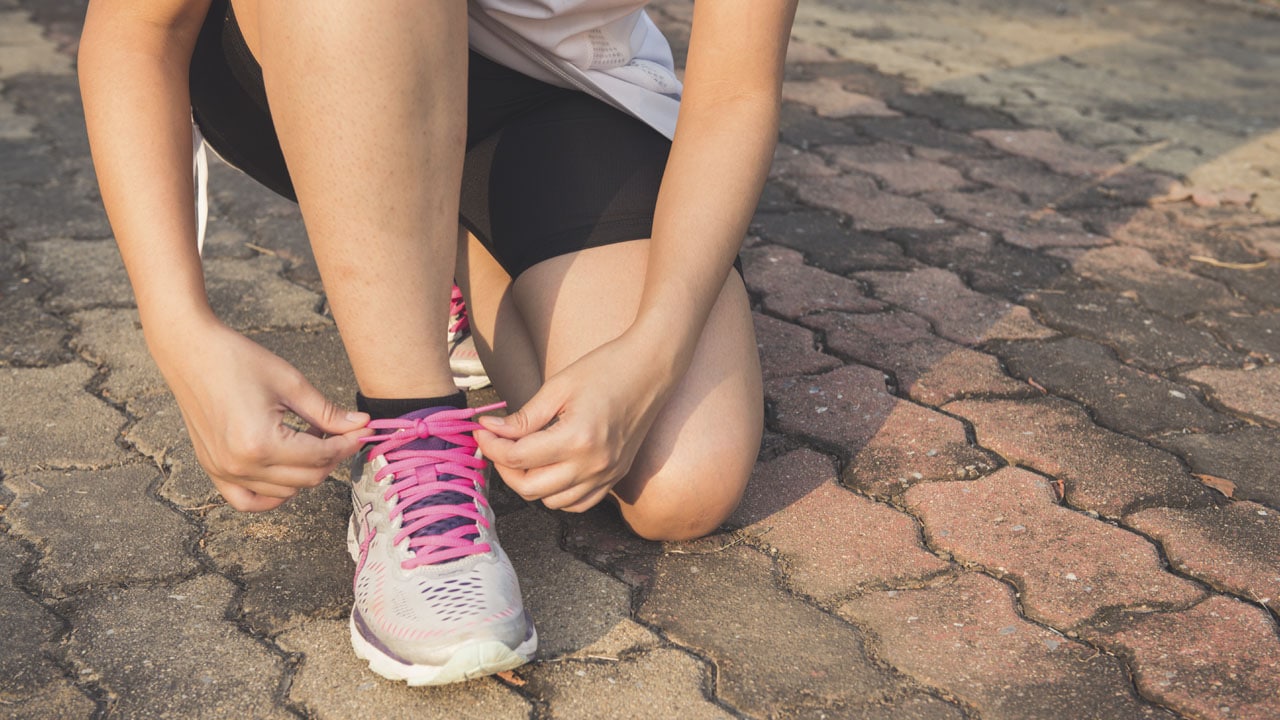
[608, 48]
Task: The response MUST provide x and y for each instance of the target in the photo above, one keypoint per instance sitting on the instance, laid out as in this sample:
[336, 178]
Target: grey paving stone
[113, 339]
[33, 683]
[292, 561]
[787, 349]
[67, 264]
[828, 244]
[1140, 336]
[926, 368]
[985, 264]
[573, 605]
[1037, 185]
[160, 434]
[1120, 397]
[798, 662]
[318, 354]
[51, 421]
[333, 684]
[867, 207]
[956, 312]
[169, 652]
[1256, 335]
[98, 527]
[251, 295]
[1249, 458]
[792, 289]
[29, 335]
[891, 444]
[1101, 470]
[656, 683]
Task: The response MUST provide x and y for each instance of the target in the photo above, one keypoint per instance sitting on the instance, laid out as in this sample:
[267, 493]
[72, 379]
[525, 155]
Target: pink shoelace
[458, 310]
[419, 475]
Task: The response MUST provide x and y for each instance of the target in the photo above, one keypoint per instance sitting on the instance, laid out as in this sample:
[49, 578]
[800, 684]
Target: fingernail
[495, 420]
[356, 417]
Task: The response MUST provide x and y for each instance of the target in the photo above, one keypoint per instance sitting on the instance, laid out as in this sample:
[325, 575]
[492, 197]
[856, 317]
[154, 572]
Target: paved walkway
[1021, 458]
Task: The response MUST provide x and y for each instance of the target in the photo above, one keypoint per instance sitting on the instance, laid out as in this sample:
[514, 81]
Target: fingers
[539, 449]
[246, 500]
[536, 414]
[311, 405]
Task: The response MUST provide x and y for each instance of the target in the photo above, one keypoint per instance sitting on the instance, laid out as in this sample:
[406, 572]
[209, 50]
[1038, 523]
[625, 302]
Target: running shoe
[436, 599]
[464, 361]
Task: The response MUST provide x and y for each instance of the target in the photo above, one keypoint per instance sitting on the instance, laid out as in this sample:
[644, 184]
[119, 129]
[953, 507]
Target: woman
[595, 256]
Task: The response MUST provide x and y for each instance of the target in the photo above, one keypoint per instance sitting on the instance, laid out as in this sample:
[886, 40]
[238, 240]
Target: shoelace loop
[420, 474]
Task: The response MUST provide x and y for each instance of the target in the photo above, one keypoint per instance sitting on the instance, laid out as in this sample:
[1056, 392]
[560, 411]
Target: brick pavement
[1021, 457]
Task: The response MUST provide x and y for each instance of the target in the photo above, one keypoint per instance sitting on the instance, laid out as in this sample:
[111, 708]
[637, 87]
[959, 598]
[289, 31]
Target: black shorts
[548, 170]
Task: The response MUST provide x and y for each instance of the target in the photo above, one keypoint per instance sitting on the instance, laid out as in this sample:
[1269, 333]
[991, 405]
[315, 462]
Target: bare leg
[369, 100]
[693, 467]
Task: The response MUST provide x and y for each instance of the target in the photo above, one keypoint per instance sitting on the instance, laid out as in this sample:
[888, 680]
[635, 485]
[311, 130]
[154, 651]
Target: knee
[686, 503]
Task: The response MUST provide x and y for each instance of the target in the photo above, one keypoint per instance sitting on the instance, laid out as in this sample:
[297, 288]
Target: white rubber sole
[470, 660]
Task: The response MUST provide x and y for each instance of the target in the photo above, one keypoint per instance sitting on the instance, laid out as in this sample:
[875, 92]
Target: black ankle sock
[382, 408]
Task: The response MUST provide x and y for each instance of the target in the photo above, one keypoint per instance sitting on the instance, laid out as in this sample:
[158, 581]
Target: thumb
[321, 413]
[536, 414]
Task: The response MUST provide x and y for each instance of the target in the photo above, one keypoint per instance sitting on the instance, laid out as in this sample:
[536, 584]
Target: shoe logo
[364, 536]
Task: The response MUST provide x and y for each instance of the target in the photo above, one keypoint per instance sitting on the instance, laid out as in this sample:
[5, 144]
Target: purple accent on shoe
[441, 498]
[372, 639]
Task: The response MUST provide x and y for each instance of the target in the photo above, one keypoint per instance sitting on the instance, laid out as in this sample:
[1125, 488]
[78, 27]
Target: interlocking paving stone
[292, 561]
[897, 169]
[1219, 659]
[867, 207]
[66, 264]
[1163, 290]
[659, 683]
[790, 162]
[1003, 211]
[1101, 471]
[113, 339]
[956, 312]
[927, 368]
[787, 349]
[1067, 565]
[1119, 396]
[1049, 148]
[830, 99]
[792, 289]
[160, 434]
[566, 622]
[986, 265]
[1036, 184]
[1233, 547]
[1145, 338]
[801, 128]
[33, 686]
[828, 244]
[833, 542]
[29, 335]
[914, 131]
[1249, 458]
[891, 443]
[168, 652]
[98, 527]
[333, 684]
[963, 638]
[1254, 392]
[251, 294]
[796, 663]
[1257, 335]
[50, 421]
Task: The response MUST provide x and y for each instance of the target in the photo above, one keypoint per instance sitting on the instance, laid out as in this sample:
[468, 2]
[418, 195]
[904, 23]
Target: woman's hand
[233, 395]
[580, 433]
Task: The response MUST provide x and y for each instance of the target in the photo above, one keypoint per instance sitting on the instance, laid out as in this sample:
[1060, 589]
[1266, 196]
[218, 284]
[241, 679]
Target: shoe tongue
[441, 498]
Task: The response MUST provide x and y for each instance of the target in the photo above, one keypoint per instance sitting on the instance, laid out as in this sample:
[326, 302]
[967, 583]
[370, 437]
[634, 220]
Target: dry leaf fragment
[511, 677]
[1229, 265]
[1222, 485]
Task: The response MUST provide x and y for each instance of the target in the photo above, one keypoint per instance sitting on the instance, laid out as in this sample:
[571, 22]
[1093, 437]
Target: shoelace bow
[458, 310]
[421, 474]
